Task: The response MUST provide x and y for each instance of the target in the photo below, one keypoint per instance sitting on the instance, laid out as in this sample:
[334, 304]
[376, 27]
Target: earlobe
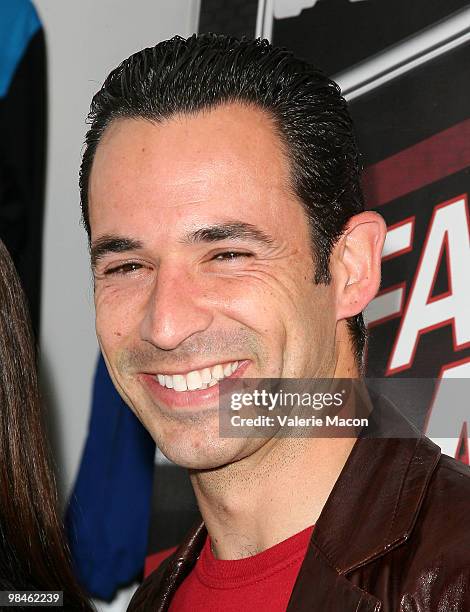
[357, 263]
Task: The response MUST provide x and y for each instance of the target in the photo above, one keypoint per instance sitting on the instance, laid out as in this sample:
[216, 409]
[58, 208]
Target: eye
[125, 268]
[230, 256]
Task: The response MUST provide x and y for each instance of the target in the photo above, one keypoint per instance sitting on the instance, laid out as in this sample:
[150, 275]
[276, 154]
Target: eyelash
[132, 266]
[233, 255]
[125, 268]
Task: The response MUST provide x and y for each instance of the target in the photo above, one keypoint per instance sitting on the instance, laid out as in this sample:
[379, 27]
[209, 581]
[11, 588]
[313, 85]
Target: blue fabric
[109, 511]
[18, 24]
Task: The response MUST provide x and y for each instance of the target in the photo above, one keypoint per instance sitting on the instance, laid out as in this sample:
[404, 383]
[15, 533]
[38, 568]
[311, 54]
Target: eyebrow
[112, 244]
[213, 233]
[235, 230]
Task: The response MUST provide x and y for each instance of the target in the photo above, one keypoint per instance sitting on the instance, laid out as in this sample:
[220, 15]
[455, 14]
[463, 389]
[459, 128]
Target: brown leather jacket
[394, 535]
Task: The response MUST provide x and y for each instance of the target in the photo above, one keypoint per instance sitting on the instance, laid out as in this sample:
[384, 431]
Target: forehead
[229, 159]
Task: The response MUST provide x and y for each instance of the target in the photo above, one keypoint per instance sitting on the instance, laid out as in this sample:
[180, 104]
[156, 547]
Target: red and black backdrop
[413, 130]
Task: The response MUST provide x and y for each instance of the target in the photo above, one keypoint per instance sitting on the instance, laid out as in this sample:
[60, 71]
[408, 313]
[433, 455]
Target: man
[220, 190]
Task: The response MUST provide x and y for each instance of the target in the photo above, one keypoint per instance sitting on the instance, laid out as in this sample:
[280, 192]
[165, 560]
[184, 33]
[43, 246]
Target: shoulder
[159, 586]
[448, 494]
[429, 568]
[443, 517]
[153, 562]
[449, 466]
[435, 559]
[152, 591]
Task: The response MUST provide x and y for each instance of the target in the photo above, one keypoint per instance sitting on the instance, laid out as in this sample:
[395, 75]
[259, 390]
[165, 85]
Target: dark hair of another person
[33, 553]
[181, 76]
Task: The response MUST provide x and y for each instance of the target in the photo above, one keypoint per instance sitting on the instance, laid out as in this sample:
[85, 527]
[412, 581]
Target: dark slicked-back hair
[185, 76]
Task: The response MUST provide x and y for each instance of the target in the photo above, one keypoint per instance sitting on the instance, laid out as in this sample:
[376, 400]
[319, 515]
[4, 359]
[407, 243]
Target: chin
[207, 453]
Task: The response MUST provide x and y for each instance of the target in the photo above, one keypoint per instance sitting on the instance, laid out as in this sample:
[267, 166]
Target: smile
[197, 379]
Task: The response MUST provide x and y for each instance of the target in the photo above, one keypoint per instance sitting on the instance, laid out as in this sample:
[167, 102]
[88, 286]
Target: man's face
[203, 269]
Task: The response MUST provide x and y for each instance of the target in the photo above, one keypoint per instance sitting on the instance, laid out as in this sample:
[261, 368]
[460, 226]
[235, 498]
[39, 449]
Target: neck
[274, 493]
[257, 502]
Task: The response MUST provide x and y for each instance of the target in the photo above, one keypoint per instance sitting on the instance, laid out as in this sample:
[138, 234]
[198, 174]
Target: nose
[174, 310]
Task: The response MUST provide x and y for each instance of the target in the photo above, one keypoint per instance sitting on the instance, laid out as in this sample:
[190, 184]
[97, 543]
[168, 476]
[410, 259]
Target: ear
[356, 261]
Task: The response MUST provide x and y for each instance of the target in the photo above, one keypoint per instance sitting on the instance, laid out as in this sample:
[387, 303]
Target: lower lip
[187, 399]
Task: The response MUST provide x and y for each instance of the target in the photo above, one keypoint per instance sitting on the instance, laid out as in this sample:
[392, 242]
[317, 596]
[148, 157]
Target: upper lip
[193, 368]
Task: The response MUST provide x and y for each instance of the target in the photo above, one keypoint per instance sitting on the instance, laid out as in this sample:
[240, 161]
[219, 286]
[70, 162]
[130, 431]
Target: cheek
[255, 301]
[117, 314]
[318, 320]
[312, 314]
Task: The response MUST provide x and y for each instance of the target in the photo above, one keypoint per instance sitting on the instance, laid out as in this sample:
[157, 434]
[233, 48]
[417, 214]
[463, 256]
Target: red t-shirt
[263, 582]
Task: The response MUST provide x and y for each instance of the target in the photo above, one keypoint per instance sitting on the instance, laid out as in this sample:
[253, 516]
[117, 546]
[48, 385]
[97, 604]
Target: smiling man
[220, 191]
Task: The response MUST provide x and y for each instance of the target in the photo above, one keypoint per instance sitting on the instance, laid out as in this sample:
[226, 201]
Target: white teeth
[206, 375]
[179, 382]
[218, 372]
[193, 380]
[197, 379]
[168, 381]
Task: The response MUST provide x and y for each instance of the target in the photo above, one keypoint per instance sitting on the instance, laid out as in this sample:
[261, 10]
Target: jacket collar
[375, 501]
[371, 509]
